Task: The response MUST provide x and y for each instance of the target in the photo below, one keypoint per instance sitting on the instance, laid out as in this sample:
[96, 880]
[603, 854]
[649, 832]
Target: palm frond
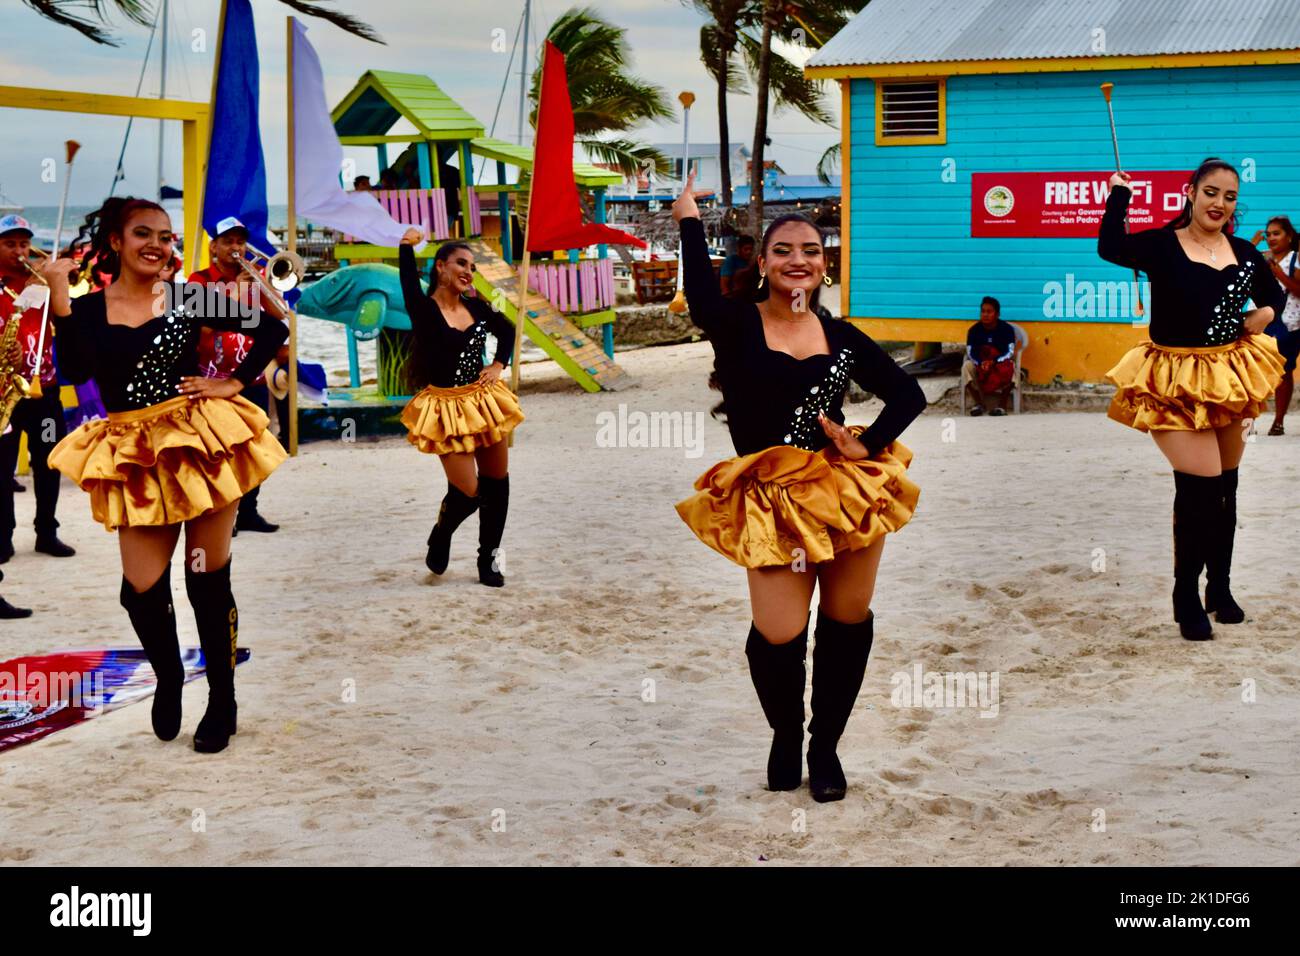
[790, 88]
[94, 21]
[829, 162]
[630, 157]
[345, 22]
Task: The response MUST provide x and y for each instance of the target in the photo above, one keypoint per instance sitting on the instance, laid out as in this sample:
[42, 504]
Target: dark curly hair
[108, 220]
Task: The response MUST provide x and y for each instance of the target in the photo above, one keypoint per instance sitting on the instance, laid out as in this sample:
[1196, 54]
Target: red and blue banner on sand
[41, 695]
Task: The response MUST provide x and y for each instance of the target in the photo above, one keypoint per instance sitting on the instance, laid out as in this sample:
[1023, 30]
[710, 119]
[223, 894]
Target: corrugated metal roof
[932, 31]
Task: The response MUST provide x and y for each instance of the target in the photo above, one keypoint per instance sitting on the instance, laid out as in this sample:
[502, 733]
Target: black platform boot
[1218, 563]
[455, 508]
[154, 618]
[1197, 506]
[779, 676]
[495, 496]
[840, 654]
[218, 623]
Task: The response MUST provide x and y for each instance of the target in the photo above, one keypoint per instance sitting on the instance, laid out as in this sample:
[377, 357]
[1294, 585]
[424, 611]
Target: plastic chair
[968, 370]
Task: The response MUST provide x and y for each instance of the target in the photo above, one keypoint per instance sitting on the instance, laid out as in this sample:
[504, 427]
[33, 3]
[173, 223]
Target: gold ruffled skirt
[756, 510]
[460, 419]
[1185, 389]
[169, 462]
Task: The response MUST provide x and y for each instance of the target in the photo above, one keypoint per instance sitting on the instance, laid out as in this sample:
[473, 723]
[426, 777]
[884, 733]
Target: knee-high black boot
[840, 654]
[1197, 509]
[1218, 563]
[154, 618]
[779, 676]
[455, 508]
[218, 623]
[495, 496]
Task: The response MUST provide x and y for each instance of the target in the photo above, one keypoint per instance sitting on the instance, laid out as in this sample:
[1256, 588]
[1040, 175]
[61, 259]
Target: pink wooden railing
[586, 286]
[426, 208]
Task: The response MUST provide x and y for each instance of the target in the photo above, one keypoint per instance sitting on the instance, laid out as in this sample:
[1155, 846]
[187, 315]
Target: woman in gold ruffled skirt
[808, 501]
[177, 451]
[467, 414]
[1206, 375]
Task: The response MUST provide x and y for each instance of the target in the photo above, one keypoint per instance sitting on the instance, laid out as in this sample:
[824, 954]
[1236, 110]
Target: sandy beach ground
[388, 717]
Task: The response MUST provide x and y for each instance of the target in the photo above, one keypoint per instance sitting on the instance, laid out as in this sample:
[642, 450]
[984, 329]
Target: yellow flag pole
[291, 240]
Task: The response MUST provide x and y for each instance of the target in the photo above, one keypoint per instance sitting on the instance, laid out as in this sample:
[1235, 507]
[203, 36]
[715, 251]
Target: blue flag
[236, 184]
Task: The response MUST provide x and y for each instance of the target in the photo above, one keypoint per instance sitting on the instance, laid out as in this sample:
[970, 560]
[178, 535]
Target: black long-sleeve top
[1193, 304]
[139, 366]
[450, 356]
[773, 398]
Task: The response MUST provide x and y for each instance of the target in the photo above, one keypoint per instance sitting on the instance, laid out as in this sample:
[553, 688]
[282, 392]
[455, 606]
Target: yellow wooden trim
[846, 190]
[1077, 351]
[71, 101]
[194, 139]
[940, 139]
[871, 71]
[488, 188]
[376, 140]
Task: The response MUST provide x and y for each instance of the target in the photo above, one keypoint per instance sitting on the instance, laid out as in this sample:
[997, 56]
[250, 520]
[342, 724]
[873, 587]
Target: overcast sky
[451, 42]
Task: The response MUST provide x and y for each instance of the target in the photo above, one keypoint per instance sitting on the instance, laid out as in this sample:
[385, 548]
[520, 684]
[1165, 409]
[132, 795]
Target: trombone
[284, 271]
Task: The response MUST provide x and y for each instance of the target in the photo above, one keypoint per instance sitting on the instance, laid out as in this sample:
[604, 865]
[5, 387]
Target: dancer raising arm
[1204, 377]
[177, 449]
[466, 412]
[808, 501]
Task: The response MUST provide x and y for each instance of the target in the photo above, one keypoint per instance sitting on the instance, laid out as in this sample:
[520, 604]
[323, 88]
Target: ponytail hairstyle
[1285, 223]
[108, 220]
[1209, 165]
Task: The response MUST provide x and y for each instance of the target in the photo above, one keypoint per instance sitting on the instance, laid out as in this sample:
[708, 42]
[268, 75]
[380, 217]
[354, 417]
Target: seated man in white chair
[991, 350]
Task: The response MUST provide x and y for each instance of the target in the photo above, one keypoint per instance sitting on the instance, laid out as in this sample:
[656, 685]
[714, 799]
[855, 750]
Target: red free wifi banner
[1068, 205]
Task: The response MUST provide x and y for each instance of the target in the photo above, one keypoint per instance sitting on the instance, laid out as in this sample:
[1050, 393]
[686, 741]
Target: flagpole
[200, 245]
[291, 238]
[521, 314]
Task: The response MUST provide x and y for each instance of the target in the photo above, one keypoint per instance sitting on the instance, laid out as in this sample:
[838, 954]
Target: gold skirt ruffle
[460, 419]
[169, 462]
[757, 509]
[1184, 389]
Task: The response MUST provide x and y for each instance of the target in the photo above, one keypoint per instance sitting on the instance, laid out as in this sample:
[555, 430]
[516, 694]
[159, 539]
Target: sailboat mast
[523, 75]
[162, 95]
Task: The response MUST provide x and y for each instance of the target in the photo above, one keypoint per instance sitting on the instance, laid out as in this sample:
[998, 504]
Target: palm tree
[798, 21]
[718, 41]
[94, 24]
[606, 97]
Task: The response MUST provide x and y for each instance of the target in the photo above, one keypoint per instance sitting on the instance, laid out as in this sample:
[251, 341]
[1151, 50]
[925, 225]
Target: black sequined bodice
[1193, 304]
[470, 364]
[139, 366]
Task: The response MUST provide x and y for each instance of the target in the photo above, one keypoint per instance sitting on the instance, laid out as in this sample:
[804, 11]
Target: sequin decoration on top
[470, 365]
[1227, 325]
[156, 374]
[805, 428]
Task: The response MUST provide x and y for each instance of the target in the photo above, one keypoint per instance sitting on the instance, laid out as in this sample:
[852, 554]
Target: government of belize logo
[999, 201]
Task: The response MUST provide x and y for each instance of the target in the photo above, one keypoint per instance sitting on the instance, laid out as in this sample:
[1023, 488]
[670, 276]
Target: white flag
[318, 157]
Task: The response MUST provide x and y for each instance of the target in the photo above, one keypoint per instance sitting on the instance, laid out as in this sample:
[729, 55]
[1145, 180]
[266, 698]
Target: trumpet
[284, 271]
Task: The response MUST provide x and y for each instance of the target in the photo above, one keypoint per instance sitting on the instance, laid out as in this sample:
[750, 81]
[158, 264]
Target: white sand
[528, 701]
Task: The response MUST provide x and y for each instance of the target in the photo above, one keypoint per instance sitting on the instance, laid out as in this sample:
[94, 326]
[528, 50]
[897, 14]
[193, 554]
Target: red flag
[555, 217]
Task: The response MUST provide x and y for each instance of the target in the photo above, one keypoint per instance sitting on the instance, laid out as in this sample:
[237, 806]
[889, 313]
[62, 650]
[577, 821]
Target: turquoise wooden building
[938, 93]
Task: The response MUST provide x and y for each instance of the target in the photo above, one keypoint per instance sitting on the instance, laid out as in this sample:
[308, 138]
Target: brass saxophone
[14, 386]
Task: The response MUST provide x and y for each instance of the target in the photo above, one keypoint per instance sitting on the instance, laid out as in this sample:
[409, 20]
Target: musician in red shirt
[221, 352]
[40, 418]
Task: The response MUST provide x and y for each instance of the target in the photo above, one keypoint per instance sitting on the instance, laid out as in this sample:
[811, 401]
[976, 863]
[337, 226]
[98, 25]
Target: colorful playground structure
[567, 294]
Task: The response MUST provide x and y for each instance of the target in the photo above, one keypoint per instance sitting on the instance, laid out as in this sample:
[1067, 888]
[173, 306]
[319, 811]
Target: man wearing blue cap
[40, 418]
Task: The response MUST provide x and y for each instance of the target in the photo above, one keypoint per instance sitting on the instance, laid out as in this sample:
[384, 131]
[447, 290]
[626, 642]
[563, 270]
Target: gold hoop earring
[826, 277]
[762, 277]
